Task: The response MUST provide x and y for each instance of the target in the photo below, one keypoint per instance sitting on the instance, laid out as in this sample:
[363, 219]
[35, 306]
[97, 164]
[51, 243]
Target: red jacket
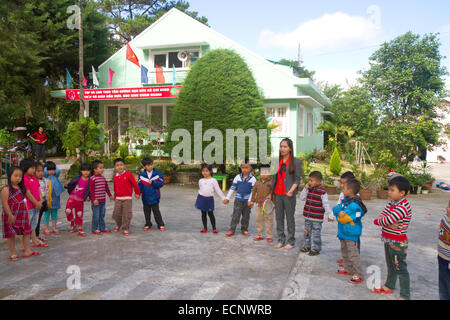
[123, 186]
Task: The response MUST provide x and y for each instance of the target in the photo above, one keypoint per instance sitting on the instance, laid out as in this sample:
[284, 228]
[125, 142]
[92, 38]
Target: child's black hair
[348, 175]
[85, 167]
[207, 166]
[21, 183]
[95, 165]
[26, 164]
[401, 183]
[50, 165]
[316, 175]
[119, 160]
[354, 185]
[39, 164]
[146, 161]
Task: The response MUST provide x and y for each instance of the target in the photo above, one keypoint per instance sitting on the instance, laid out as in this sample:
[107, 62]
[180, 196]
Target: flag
[84, 82]
[131, 56]
[110, 76]
[174, 78]
[94, 78]
[159, 75]
[68, 79]
[144, 77]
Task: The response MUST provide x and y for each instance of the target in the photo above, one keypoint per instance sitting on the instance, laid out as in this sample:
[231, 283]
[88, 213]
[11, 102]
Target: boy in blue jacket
[150, 181]
[349, 213]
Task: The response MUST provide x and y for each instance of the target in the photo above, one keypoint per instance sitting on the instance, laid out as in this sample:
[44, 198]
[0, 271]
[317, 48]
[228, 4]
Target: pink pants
[74, 208]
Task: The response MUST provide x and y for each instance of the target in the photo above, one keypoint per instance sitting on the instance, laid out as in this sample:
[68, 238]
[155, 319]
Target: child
[394, 221]
[150, 181]
[98, 188]
[56, 188]
[343, 180]
[124, 183]
[34, 203]
[349, 213]
[43, 188]
[243, 184]
[316, 206]
[15, 214]
[444, 256]
[78, 189]
[262, 191]
[205, 197]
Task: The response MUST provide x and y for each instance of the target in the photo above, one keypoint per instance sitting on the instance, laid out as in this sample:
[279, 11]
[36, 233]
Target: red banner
[124, 93]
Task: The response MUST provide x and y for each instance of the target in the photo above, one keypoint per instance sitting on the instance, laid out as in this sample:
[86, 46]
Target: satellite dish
[183, 56]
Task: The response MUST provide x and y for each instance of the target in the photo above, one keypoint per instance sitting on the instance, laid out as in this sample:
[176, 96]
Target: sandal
[14, 258]
[381, 290]
[40, 245]
[305, 249]
[204, 231]
[279, 245]
[258, 239]
[162, 228]
[56, 232]
[106, 231]
[269, 240]
[46, 233]
[344, 272]
[81, 233]
[288, 247]
[32, 254]
[116, 229]
[313, 252]
[97, 233]
[42, 239]
[215, 231]
[126, 233]
[147, 228]
[72, 229]
[245, 233]
[355, 279]
[229, 234]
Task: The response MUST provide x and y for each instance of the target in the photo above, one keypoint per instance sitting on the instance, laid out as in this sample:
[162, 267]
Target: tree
[128, 18]
[405, 83]
[299, 71]
[221, 92]
[335, 163]
[82, 135]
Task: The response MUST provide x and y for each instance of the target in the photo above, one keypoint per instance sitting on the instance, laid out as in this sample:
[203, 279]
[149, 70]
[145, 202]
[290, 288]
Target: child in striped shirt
[98, 188]
[444, 256]
[394, 221]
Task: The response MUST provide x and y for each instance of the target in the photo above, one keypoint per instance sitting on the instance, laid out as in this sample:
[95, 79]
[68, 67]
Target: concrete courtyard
[182, 263]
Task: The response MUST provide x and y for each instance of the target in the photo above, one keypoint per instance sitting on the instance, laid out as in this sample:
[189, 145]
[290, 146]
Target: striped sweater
[395, 212]
[444, 238]
[316, 204]
[98, 187]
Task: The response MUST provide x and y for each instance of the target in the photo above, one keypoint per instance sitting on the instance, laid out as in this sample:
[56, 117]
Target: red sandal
[381, 291]
[344, 272]
[13, 258]
[32, 254]
[116, 229]
[126, 233]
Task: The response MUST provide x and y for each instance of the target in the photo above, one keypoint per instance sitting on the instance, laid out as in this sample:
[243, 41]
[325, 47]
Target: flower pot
[365, 194]
[382, 194]
[425, 191]
[331, 190]
[429, 186]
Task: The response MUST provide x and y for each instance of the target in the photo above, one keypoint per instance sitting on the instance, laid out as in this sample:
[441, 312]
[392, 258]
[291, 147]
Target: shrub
[335, 163]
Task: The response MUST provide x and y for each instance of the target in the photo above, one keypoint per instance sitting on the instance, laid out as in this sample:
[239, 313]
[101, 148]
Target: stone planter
[365, 194]
[108, 174]
[382, 194]
[425, 191]
[187, 177]
[429, 186]
[331, 190]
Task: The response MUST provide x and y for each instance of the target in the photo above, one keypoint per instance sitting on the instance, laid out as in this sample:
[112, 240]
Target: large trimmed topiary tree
[335, 163]
[221, 92]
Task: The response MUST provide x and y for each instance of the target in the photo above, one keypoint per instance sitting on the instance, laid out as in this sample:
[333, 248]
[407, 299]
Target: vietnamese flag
[110, 76]
[131, 56]
[159, 75]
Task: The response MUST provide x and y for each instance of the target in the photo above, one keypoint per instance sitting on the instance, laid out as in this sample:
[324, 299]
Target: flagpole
[80, 59]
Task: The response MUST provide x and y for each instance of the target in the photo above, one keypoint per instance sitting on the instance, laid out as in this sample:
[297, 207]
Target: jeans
[313, 230]
[397, 268]
[98, 217]
[240, 209]
[444, 279]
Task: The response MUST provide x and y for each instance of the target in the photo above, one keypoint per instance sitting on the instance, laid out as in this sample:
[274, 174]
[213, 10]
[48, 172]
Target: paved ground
[181, 263]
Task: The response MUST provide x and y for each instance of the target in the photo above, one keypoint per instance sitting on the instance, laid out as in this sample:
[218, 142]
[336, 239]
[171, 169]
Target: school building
[295, 104]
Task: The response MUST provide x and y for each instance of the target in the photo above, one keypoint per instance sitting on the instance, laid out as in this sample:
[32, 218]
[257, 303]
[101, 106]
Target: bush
[335, 163]
[123, 151]
[6, 138]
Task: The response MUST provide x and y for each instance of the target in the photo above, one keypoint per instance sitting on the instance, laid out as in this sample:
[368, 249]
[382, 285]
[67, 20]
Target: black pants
[211, 218]
[39, 152]
[148, 208]
[41, 212]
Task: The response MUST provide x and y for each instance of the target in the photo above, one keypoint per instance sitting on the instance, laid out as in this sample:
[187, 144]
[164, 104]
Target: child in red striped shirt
[98, 188]
[394, 221]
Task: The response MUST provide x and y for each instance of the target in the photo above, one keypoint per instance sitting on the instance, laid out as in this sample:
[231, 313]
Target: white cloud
[331, 31]
[344, 78]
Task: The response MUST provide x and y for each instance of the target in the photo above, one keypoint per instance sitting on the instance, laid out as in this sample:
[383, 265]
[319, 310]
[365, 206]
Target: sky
[336, 37]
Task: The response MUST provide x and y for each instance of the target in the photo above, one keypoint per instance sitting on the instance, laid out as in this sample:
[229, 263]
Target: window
[276, 112]
[157, 116]
[169, 110]
[170, 59]
[301, 120]
[281, 112]
[174, 61]
[160, 60]
[160, 116]
[310, 124]
[270, 112]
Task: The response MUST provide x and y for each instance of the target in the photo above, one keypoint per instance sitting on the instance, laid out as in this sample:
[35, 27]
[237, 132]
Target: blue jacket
[243, 187]
[349, 228]
[150, 192]
[57, 188]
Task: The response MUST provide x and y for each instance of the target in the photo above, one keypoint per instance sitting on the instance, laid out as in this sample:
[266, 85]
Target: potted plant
[168, 169]
[429, 180]
[425, 190]
[382, 183]
[365, 180]
[329, 184]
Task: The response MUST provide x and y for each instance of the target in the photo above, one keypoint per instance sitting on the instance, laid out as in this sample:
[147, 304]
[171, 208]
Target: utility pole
[80, 60]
